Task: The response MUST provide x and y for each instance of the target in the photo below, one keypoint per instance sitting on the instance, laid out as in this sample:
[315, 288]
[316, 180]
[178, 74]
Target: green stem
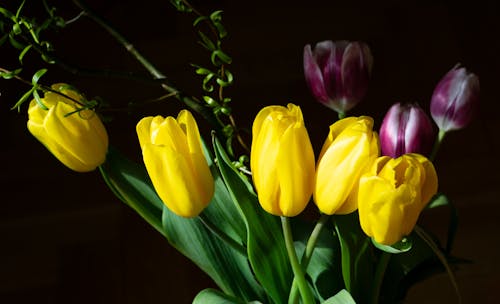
[437, 144]
[305, 291]
[379, 276]
[442, 258]
[341, 115]
[306, 257]
[189, 101]
[221, 235]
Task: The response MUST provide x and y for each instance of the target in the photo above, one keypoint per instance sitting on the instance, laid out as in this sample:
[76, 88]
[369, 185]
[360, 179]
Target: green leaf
[402, 246]
[216, 18]
[37, 76]
[206, 42]
[219, 56]
[10, 74]
[180, 6]
[39, 100]
[130, 183]
[4, 38]
[439, 200]
[210, 101]
[23, 99]
[342, 297]
[6, 13]
[357, 256]
[16, 29]
[20, 9]
[24, 52]
[16, 44]
[228, 82]
[207, 87]
[228, 268]
[266, 246]
[212, 296]
[199, 19]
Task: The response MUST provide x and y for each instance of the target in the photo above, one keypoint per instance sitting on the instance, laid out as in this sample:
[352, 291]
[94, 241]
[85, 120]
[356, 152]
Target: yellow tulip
[282, 160]
[392, 195]
[78, 139]
[174, 159]
[349, 150]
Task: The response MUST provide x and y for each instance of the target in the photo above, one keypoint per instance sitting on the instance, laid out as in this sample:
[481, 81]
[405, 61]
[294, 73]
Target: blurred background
[64, 238]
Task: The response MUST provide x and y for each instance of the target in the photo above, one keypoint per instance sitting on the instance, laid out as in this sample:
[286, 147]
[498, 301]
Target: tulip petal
[314, 76]
[172, 178]
[143, 129]
[295, 170]
[347, 153]
[72, 139]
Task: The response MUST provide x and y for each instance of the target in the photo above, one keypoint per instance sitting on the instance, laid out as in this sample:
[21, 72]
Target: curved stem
[308, 252]
[221, 235]
[379, 276]
[439, 254]
[304, 289]
[189, 101]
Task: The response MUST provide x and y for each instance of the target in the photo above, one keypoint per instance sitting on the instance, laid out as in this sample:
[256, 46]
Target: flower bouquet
[235, 207]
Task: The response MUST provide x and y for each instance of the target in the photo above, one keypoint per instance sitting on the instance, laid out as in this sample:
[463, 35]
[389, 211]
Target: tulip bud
[349, 150]
[176, 164]
[73, 135]
[337, 73]
[455, 99]
[406, 129]
[282, 160]
[392, 194]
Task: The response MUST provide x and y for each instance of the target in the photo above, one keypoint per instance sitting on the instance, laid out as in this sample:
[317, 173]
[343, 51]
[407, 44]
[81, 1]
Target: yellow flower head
[348, 151]
[282, 160]
[77, 138]
[392, 195]
[175, 162]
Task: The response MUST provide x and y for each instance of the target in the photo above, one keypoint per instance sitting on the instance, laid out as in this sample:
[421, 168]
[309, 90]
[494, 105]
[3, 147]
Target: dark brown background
[65, 239]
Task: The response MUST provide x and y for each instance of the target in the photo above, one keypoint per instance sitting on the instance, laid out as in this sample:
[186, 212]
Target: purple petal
[313, 75]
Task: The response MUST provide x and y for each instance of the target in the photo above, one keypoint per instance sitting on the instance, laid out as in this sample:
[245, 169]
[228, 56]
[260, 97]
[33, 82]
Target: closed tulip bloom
[392, 195]
[337, 73]
[351, 147]
[406, 129]
[176, 164]
[282, 160]
[455, 100]
[76, 137]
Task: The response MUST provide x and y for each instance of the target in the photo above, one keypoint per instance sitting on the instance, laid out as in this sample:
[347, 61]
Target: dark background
[64, 238]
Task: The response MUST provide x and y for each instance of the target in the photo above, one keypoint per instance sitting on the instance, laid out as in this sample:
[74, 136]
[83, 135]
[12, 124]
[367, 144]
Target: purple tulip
[455, 100]
[338, 72]
[406, 129]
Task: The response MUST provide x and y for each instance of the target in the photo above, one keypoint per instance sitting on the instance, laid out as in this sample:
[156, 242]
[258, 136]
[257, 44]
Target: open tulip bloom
[240, 220]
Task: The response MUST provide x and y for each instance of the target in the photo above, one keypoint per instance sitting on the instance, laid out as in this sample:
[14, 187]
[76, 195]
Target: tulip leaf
[402, 246]
[229, 269]
[130, 183]
[266, 245]
[357, 256]
[212, 296]
[342, 297]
